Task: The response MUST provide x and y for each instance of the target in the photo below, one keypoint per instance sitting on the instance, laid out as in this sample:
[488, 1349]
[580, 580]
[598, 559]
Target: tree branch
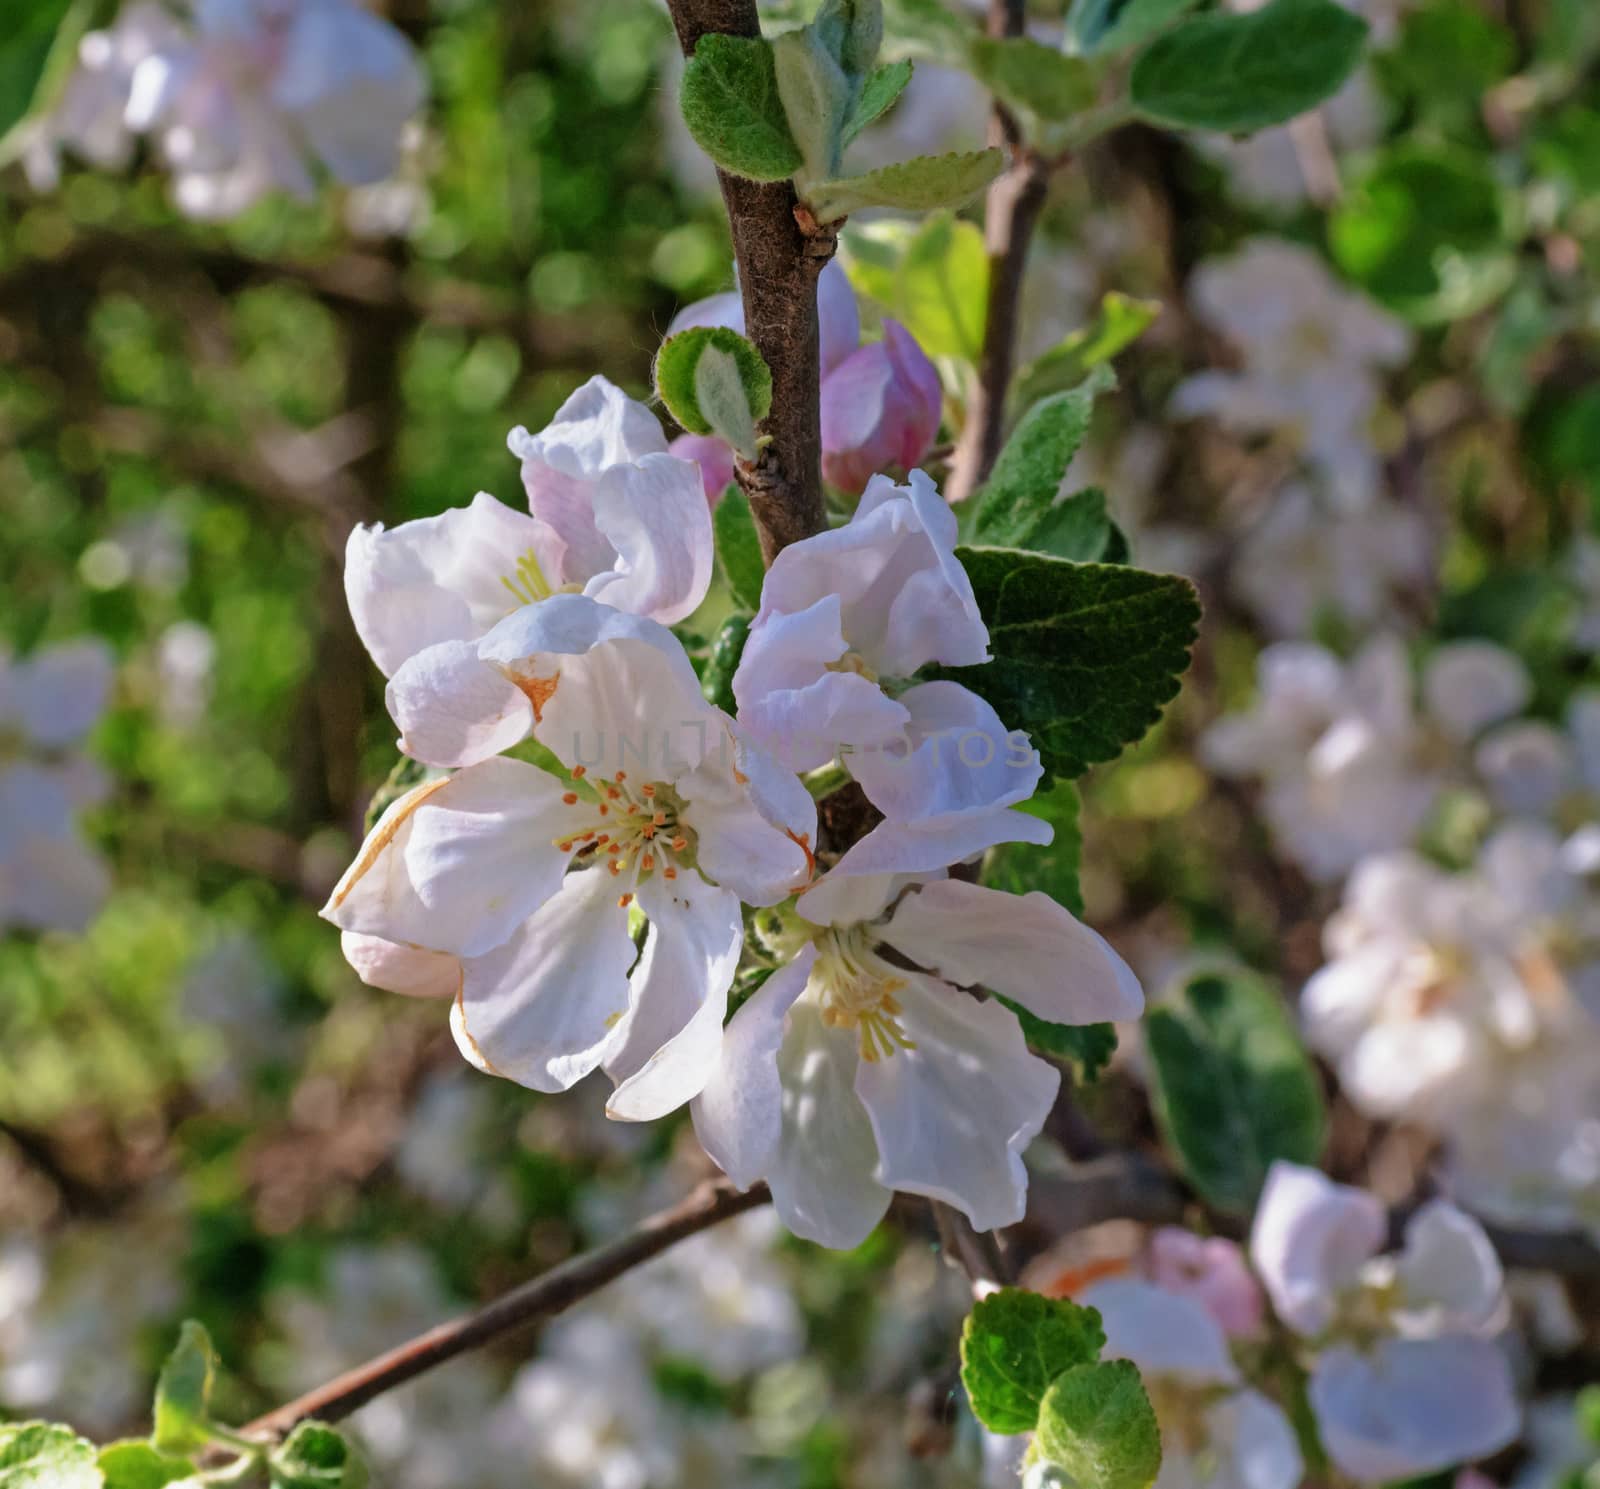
[535, 1301]
[780, 252]
[1011, 213]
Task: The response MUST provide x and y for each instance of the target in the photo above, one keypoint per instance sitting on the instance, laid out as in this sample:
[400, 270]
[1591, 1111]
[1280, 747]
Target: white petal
[542, 1009]
[413, 971]
[1024, 946]
[1468, 685]
[375, 896]
[482, 854]
[1310, 1240]
[1413, 1406]
[893, 848]
[852, 899]
[436, 579]
[952, 1115]
[1265, 1451]
[53, 883]
[666, 1048]
[58, 694]
[654, 514]
[1161, 1332]
[453, 708]
[738, 1116]
[1448, 1269]
[726, 310]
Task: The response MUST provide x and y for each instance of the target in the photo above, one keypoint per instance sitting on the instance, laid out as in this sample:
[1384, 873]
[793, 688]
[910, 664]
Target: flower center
[853, 661]
[858, 992]
[633, 830]
[527, 583]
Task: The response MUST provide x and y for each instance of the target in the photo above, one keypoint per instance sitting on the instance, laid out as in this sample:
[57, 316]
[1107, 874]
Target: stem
[780, 253]
[1011, 213]
[539, 1299]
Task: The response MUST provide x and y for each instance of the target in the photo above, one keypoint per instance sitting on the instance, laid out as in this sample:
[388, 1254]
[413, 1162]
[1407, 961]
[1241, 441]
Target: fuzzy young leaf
[1244, 72]
[878, 95]
[731, 104]
[134, 1464]
[1013, 1344]
[717, 681]
[316, 1456]
[1234, 1089]
[678, 384]
[1021, 491]
[1102, 27]
[1029, 75]
[739, 548]
[816, 98]
[1122, 320]
[852, 30]
[1085, 655]
[916, 185]
[46, 1455]
[720, 396]
[183, 1392]
[1097, 1425]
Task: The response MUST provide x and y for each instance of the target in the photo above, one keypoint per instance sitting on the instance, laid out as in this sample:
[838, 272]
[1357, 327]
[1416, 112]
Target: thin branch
[780, 252]
[534, 1302]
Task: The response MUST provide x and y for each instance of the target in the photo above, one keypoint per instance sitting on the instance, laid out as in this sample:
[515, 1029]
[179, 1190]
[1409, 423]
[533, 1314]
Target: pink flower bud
[712, 455]
[838, 320]
[880, 410]
[1211, 1271]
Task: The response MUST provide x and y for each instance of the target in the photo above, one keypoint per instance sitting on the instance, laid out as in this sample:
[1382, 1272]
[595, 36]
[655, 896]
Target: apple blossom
[861, 1067]
[881, 408]
[264, 86]
[1213, 1272]
[610, 513]
[713, 456]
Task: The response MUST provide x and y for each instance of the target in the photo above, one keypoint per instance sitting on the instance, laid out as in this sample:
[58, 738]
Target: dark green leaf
[1029, 75]
[678, 361]
[316, 1456]
[1233, 1088]
[1053, 868]
[739, 548]
[134, 1464]
[1013, 1345]
[878, 95]
[36, 37]
[183, 1392]
[1243, 72]
[717, 683]
[1098, 1426]
[1105, 26]
[1089, 1047]
[730, 103]
[46, 1455]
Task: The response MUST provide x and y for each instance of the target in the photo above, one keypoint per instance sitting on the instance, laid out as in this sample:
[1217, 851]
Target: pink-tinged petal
[1164, 1333]
[484, 852]
[838, 319]
[714, 457]
[436, 579]
[454, 709]
[881, 408]
[1310, 1240]
[1212, 1270]
[738, 1115]
[1449, 1274]
[653, 512]
[954, 757]
[412, 971]
[1413, 1406]
[666, 1048]
[894, 848]
[725, 310]
[1024, 946]
[56, 696]
[952, 1114]
[542, 1009]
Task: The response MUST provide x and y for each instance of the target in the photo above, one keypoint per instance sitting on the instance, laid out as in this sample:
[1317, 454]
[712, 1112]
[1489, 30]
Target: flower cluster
[574, 870]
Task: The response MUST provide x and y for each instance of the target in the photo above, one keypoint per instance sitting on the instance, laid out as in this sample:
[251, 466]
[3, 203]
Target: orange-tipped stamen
[570, 797]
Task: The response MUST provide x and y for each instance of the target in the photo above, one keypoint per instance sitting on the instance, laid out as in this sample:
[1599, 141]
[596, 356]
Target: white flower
[1215, 1431]
[265, 84]
[877, 598]
[847, 1076]
[531, 879]
[610, 513]
[50, 879]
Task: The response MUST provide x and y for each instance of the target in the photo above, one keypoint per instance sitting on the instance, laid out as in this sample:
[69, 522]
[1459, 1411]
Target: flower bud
[880, 409]
[714, 458]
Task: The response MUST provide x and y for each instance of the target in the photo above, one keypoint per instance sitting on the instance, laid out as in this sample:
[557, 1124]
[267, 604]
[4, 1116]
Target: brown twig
[535, 1301]
[780, 251]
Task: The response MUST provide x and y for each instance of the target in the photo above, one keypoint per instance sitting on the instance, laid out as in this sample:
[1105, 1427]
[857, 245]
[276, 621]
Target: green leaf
[852, 30]
[930, 29]
[739, 548]
[134, 1464]
[1233, 1088]
[730, 103]
[1088, 1047]
[1013, 1345]
[39, 38]
[46, 1455]
[817, 97]
[1029, 75]
[1085, 655]
[1021, 490]
[183, 1392]
[1097, 1425]
[717, 682]
[1097, 27]
[1122, 320]
[942, 287]
[720, 396]
[315, 1456]
[1243, 72]
[1053, 868]
[678, 383]
[878, 96]
[916, 185]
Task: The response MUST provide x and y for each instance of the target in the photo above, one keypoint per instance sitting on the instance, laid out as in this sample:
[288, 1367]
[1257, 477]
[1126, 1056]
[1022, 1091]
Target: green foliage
[1029, 75]
[183, 1393]
[940, 290]
[817, 98]
[739, 548]
[37, 47]
[678, 381]
[46, 1455]
[1234, 1089]
[1085, 655]
[721, 399]
[1053, 867]
[717, 682]
[1097, 27]
[883, 87]
[316, 1456]
[1087, 1047]
[134, 1464]
[1013, 1345]
[1097, 1425]
[917, 185]
[1243, 72]
[1121, 321]
[731, 104]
